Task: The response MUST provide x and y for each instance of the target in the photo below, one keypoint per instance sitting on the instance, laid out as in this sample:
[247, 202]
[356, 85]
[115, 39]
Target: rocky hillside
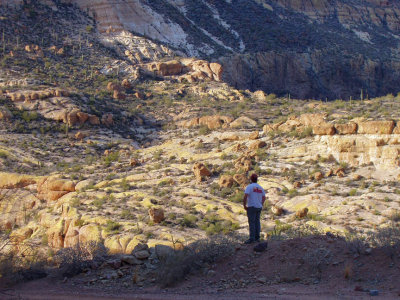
[309, 49]
[113, 139]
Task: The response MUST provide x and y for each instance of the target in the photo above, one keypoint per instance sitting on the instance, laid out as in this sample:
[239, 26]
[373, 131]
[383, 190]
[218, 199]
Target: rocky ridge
[301, 53]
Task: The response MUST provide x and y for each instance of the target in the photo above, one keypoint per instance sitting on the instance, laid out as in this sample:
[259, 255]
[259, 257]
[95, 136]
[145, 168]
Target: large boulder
[156, 214]
[323, 129]
[376, 127]
[257, 145]
[241, 179]
[51, 189]
[94, 120]
[226, 181]
[214, 122]
[169, 68]
[89, 233]
[107, 119]
[55, 235]
[202, 67]
[200, 171]
[82, 117]
[243, 122]
[243, 164]
[71, 237]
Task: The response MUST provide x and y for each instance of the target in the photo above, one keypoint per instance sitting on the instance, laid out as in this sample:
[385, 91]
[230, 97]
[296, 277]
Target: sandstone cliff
[307, 48]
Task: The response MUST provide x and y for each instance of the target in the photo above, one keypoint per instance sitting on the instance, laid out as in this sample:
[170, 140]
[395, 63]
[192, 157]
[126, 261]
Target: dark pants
[253, 215]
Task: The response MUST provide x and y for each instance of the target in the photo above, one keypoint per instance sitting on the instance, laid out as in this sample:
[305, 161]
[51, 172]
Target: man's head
[253, 178]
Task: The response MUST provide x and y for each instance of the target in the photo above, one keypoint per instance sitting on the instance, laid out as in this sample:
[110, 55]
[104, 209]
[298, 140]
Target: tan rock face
[72, 237]
[324, 129]
[14, 180]
[173, 67]
[376, 127]
[214, 122]
[254, 135]
[217, 71]
[52, 189]
[356, 150]
[89, 233]
[349, 128]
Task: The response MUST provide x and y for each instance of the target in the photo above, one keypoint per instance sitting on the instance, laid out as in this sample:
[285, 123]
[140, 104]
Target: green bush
[29, 116]
[352, 192]
[203, 130]
[112, 226]
[189, 221]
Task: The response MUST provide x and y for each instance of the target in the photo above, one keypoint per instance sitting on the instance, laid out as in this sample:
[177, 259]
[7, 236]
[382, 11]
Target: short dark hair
[253, 177]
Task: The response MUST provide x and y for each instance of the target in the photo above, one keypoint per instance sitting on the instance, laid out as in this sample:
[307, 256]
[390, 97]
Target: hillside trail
[316, 267]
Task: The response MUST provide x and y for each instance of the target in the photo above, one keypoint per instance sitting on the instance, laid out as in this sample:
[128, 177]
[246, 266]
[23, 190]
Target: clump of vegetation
[72, 261]
[193, 257]
[112, 226]
[212, 224]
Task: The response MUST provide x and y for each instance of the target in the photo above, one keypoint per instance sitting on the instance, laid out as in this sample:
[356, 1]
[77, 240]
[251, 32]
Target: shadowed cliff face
[308, 48]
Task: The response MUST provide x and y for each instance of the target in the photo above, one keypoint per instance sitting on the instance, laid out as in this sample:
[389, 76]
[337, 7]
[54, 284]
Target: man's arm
[263, 200]
[245, 201]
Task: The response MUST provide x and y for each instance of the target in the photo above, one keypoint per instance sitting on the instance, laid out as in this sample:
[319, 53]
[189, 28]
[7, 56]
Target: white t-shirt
[254, 193]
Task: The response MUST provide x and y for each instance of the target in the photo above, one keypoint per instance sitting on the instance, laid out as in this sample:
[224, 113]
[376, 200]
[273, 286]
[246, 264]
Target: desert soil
[322, 267]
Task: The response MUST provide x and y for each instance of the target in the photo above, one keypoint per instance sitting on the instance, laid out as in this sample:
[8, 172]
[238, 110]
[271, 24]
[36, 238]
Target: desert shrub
[194, 257]
[237, 197]
[189, 220]
[72, 261]
[112, 226]
[99, 202]
[203, 130]
[112, 157]
[284, 231]
[387, 237]
[19, 266]
[29, 116]
[212, 224]
[157, 155]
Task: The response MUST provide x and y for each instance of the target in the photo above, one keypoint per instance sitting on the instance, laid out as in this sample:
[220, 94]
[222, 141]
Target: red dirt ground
[320, 267]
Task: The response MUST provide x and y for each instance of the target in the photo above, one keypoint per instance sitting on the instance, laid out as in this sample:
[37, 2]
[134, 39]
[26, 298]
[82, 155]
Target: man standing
[253, 201]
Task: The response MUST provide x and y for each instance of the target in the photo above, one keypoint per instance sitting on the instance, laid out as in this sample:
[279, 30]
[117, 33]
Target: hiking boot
[249, 241]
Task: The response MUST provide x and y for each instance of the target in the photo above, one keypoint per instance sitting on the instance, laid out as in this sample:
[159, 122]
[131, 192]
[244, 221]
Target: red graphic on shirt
[257, 190]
